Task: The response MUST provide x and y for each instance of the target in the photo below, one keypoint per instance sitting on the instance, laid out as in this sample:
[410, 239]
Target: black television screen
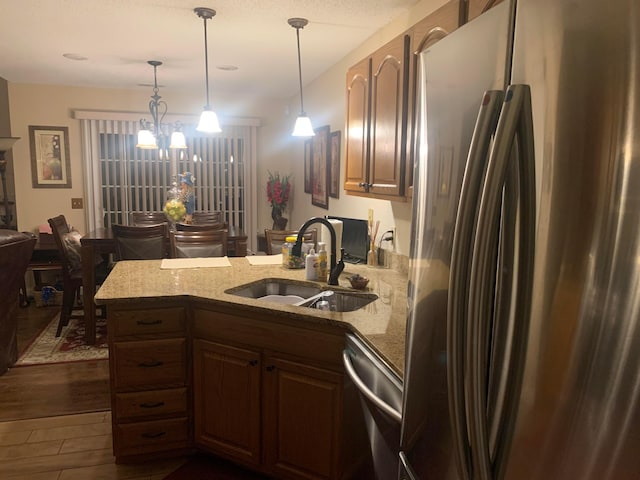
[355, 239]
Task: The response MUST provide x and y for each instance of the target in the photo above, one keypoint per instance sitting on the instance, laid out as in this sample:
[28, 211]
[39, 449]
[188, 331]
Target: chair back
[275, 239]
[193, 244]
[138, 219]
[200, 227]
[69, 257]
[200, 218]
[140, 242]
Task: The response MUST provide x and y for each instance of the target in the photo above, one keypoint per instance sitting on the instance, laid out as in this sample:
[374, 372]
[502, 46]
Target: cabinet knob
[271, 368]
[253, 363]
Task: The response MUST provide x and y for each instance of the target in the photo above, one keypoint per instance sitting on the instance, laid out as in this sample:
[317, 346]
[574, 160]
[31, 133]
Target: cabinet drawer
[151, 403]
[151, 321]
[149, 362]
[155, 436]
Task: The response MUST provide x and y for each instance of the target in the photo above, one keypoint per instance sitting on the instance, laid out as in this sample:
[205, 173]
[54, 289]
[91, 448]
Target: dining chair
[275, 239]
[138, 219]
[208, 217]
[69, 251]
[200, 227]
[193, 244]
[148, 242]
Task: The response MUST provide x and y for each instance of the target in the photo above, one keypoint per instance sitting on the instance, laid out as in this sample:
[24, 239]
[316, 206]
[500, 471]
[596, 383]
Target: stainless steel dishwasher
[381, 397]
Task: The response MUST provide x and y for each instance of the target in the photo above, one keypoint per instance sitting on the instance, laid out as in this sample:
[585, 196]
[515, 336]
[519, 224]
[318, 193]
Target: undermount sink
[296, 292]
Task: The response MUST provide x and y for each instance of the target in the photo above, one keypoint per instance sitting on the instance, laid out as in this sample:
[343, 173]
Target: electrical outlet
[76, 203]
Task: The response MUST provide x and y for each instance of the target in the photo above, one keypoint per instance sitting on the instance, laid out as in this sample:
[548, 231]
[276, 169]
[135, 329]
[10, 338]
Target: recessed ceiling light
[228, 68]
[74, 56]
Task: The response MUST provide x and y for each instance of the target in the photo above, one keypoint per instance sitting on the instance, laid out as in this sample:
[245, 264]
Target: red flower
[278, 190]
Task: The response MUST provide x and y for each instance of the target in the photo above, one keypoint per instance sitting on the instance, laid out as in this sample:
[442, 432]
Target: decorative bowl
[358, 282]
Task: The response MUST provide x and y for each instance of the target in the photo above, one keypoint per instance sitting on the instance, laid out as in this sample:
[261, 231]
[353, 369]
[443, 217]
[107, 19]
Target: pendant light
[208, 119]
[150, 134]
[303, 126]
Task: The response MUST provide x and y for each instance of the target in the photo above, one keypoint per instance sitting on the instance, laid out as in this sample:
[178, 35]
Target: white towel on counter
[202, 262]
[265, 259]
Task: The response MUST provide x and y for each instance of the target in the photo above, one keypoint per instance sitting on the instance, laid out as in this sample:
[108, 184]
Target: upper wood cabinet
[376, 122]
[424, 34]
[475, 8]
[357, 126]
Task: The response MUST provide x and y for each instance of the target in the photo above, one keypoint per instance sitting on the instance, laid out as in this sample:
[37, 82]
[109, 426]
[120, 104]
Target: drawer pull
[152, 405]
[253, 363]
[154, 435]
[147, 322]
[271, 368]
[151, 364]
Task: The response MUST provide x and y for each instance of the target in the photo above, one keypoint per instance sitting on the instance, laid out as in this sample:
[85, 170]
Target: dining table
[102, 242]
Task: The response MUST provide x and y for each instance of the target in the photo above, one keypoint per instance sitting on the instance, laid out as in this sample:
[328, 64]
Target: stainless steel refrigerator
[523, 333]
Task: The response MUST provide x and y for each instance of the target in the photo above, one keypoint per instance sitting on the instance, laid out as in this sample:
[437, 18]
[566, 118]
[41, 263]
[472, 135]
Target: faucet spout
[334, 272]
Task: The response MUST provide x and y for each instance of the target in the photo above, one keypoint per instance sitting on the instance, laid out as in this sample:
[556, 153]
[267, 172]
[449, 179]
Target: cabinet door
[302, 418]
[227, 400]
[425, 33]
[389, 77]
[475, 8]
[357, 127]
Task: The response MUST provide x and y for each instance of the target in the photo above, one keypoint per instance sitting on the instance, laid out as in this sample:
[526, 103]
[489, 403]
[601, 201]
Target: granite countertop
[381, 323]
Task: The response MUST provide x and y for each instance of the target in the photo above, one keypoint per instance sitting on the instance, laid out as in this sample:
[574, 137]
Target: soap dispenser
[311, 265]
[322, 269]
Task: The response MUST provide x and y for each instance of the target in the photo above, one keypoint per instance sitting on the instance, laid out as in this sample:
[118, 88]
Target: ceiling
[118, 37]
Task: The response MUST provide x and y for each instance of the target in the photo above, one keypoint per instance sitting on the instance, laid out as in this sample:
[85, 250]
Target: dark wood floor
[49, 390]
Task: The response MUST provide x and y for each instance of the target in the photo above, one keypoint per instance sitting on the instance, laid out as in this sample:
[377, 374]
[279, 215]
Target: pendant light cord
[300, 72]
[206, 61]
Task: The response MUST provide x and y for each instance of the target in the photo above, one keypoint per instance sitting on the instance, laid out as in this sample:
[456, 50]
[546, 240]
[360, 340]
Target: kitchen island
[196, 367]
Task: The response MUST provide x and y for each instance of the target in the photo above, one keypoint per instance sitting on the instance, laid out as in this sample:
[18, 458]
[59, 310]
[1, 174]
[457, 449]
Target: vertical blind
[126, 179]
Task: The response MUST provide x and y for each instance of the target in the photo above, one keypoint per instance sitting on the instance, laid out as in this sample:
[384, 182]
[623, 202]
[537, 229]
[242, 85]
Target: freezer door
[453, 78]
[579, 412]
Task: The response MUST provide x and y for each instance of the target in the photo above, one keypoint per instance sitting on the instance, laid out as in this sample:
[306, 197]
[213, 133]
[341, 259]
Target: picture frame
[320, 167]
[334, 164]
[308, 153]
[50, 160]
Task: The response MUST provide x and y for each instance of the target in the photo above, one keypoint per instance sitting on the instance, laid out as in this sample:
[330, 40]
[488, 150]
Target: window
[135, 180]
[121, 178]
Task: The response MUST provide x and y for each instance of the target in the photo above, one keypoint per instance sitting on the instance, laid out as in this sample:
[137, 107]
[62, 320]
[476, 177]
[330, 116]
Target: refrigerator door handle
[515, 120]
[360, 385]
[459, 277]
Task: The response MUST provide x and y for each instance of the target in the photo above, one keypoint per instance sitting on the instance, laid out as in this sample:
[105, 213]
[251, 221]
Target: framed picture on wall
[308, 144]
[320, 167]
[50, 163]
[334, 165]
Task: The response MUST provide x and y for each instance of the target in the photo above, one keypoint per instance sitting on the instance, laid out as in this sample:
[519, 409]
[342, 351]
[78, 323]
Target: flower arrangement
[278, 189]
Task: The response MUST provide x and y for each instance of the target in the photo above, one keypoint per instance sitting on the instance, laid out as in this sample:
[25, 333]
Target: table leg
[89, 290]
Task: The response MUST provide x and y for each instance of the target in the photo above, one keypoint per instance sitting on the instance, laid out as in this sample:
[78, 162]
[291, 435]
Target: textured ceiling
[119, 36]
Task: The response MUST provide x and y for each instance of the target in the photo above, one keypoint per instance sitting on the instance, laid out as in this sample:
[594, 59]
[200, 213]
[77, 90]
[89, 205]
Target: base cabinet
[227, 400]
[270, 396]
[263, 391]
[149, 380]
[302, 418]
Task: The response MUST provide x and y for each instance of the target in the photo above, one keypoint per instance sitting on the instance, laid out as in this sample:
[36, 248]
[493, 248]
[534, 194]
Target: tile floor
[70, 447]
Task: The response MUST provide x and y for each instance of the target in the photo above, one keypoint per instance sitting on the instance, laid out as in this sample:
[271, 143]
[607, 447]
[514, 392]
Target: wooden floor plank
[25, 450]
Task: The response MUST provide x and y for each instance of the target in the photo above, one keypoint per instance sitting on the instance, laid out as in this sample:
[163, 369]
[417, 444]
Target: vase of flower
[278, 189]
[279, 222]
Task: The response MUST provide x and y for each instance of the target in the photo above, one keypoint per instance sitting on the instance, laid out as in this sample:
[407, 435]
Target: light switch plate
[76, 203]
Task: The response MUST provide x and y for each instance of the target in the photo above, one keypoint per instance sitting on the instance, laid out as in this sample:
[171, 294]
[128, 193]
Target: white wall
[324, 101]
[278, 151]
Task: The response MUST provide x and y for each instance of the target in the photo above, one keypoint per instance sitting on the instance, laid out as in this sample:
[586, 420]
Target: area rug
[68, 347]
[203, 467]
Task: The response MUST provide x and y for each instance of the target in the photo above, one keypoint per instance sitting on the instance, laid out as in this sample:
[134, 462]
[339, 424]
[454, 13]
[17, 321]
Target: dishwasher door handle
[377, 401]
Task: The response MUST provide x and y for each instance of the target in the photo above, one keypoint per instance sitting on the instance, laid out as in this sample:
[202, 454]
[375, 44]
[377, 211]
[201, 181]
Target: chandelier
[155, 134]
[303, 127]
